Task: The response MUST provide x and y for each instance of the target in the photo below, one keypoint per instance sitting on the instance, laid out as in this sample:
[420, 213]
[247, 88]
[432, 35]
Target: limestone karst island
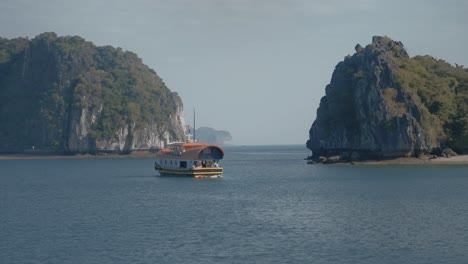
[65, 95]
[382, 104]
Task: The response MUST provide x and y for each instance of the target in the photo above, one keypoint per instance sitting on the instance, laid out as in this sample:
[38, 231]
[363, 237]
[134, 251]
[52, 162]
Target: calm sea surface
[269, 208]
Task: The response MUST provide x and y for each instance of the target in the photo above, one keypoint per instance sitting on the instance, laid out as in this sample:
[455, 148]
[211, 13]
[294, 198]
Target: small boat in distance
[197, 160]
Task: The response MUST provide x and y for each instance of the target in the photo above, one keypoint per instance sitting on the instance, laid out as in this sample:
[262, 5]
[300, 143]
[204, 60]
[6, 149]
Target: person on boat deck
[199, 164]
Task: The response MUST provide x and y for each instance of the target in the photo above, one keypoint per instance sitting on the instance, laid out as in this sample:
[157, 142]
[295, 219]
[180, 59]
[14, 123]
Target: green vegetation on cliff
[50, 84]
[382, 103]
[443, 91]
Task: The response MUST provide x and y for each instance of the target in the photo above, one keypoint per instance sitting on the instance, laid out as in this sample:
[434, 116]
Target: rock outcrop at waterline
[381, 103]
[64, 94]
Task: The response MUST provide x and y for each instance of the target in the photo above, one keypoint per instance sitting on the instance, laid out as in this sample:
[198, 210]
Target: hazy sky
[256, 68]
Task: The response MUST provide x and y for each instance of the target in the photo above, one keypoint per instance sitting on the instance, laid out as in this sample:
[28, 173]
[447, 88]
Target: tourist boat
[197, 160]
[190, 158]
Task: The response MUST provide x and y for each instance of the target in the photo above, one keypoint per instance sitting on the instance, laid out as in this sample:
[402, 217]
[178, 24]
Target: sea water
[270, 207]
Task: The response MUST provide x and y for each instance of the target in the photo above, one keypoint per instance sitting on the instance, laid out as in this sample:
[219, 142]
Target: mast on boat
[188, 131]
[194, 126]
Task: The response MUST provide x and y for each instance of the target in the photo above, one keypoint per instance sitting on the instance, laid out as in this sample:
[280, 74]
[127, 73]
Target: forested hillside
[65, 94]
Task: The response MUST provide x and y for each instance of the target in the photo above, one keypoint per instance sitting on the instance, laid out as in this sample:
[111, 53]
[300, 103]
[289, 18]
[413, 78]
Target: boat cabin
[189, 156]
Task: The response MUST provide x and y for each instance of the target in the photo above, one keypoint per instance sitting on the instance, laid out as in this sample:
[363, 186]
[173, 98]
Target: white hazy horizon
[254, 68]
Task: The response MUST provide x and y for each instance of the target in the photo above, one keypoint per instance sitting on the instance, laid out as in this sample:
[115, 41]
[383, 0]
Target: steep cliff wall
[64, 94]
[374, 105]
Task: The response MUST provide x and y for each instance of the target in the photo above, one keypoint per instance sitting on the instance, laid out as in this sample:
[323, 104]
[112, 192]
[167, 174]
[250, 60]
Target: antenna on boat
[194, 127]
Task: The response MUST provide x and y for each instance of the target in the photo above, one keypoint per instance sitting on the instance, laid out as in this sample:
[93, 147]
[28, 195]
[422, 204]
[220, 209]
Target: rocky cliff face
[64, 94]
[371, 111]
[127, 138]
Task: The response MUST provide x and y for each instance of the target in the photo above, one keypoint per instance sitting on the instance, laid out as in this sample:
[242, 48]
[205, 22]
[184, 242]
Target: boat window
[183, 164]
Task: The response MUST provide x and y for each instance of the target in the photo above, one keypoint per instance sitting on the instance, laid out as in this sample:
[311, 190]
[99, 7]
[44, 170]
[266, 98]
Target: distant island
[382, 104]
[210, 135]
[66, 95]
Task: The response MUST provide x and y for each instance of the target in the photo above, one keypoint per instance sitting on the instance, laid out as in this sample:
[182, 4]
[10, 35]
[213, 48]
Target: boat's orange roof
[192, 151]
